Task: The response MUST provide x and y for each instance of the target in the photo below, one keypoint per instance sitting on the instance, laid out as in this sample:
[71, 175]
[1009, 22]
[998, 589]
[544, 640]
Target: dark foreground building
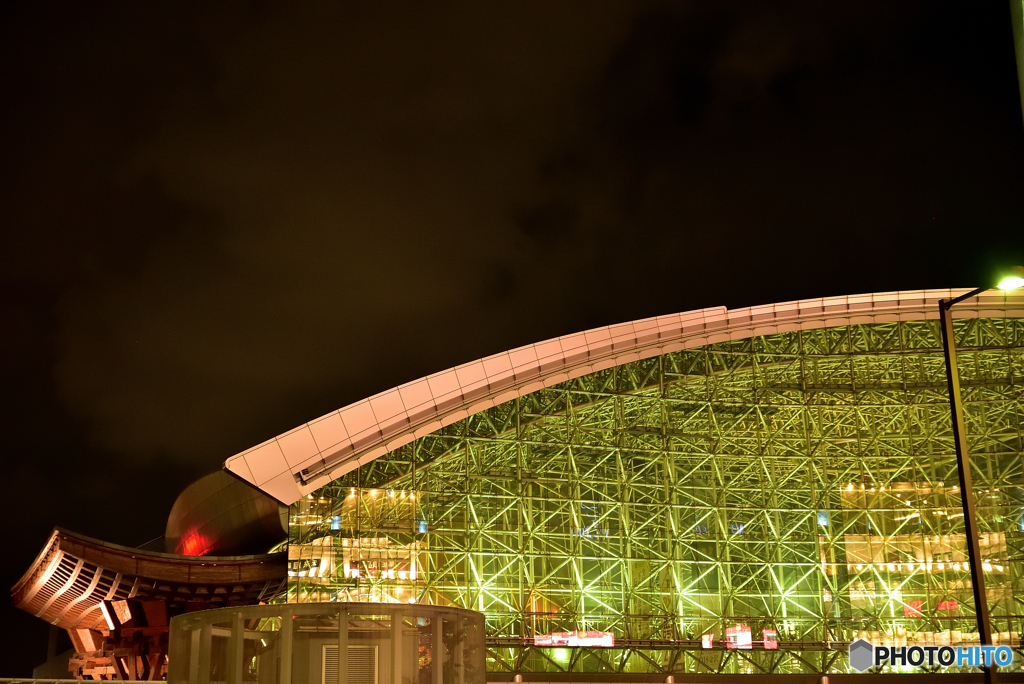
[714, 492]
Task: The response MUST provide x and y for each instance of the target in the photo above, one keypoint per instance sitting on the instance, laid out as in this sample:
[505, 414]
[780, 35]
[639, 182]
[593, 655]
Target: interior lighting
[1012, 280]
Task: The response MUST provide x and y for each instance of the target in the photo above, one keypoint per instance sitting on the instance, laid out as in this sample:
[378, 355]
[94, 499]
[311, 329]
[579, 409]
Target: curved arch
[301, 460]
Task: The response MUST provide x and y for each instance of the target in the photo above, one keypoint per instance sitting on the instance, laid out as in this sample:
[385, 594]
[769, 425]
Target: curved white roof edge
[294, 464]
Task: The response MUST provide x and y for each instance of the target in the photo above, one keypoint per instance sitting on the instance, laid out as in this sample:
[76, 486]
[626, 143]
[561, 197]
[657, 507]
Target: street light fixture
[1011, 281]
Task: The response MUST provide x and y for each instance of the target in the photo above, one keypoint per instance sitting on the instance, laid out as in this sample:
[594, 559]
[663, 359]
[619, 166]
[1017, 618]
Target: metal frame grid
[802, 481]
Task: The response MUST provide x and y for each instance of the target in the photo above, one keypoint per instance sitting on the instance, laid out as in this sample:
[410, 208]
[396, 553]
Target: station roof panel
[301, 460]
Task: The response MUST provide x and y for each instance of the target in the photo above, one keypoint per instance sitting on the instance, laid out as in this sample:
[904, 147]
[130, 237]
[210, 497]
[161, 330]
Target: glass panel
[799, 485]
[220, 636]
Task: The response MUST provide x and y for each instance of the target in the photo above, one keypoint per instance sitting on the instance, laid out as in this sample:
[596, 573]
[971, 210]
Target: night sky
[222, 222]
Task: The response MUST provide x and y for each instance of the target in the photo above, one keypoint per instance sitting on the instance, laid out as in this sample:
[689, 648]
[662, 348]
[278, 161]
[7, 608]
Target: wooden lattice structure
[115, 602]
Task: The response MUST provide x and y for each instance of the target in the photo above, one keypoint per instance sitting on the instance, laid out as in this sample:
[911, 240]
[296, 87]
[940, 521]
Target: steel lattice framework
[803, 481]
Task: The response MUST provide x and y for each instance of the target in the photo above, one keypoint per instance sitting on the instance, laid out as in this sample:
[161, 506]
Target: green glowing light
[1013, 279]
[1011, 283]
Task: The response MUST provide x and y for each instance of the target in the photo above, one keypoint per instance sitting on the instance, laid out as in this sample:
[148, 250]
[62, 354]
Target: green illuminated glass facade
[802, 482]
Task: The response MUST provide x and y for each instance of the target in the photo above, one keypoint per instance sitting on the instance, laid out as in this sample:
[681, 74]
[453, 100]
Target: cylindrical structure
[328, 643]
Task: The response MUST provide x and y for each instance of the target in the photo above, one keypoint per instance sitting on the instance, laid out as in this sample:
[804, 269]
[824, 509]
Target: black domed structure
[222, 515]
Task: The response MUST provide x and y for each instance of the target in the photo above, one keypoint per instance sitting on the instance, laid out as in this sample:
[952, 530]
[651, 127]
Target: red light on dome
[194, 543]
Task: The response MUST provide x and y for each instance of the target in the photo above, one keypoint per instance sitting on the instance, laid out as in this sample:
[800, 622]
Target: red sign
[948, 605]
[707, 640]
[577, 638]
[738, 637]
[912, 609]
[770, 640]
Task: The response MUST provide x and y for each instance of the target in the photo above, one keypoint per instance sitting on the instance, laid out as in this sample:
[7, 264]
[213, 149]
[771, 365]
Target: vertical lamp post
[963, 462]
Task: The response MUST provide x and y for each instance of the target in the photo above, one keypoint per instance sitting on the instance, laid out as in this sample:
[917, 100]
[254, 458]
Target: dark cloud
[223, 222]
